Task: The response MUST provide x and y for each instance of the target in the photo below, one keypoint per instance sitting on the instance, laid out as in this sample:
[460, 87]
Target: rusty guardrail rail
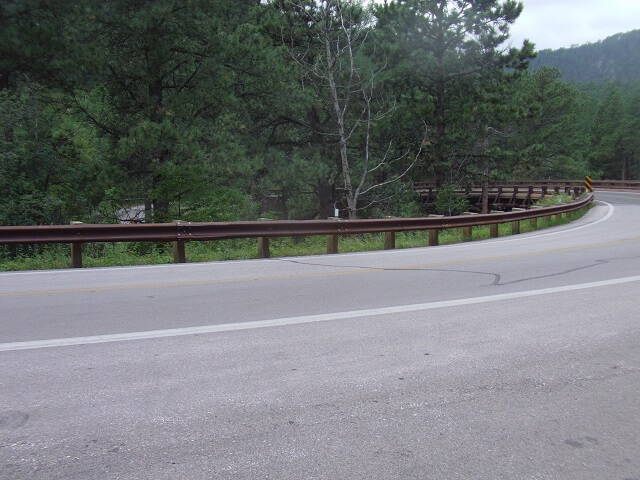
[180, 232]
[572, 184]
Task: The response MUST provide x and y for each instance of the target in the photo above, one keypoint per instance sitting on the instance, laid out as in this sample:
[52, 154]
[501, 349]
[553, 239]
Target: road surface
[517, 357]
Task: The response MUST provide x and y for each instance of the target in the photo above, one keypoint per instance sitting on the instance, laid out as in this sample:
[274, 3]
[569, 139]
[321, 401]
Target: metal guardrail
[180, 232]
[616, 184]
[576, 183]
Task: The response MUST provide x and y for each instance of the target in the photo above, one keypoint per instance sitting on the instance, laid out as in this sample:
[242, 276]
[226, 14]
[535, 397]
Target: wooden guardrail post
[332, 240]
[76, 251]
[264, 248]
[179, 255]
[332, 244]
[493, 230]
[515, 227]
[389, 240]
[534, 223]
[467, 234]
[433, 237]
[76, 255]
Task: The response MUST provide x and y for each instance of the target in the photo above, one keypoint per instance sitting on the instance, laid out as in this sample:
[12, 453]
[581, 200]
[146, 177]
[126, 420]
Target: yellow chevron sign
[587, 183]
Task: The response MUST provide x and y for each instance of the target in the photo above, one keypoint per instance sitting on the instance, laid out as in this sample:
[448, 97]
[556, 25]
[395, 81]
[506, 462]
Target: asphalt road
[510, 358]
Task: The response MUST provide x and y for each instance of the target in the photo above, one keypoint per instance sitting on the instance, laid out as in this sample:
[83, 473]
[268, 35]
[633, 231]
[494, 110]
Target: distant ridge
[615, 58]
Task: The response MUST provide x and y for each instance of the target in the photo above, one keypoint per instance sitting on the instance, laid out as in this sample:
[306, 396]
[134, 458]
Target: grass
[120, 254]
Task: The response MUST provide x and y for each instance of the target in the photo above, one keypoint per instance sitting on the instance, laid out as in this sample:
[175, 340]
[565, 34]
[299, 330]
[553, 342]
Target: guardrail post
[515, 227]
[263, 247]
[76, 255]
[264, 250]
[332, 244]
[389, 240]
[332, 240]
[493, 230]
[467, 234]
[433, 237]
[76, 251]
[534, 223]
[179, 255]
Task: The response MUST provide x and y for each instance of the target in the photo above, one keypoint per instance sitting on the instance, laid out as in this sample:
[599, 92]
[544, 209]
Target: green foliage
[553, 200]
[216, 111]
[616, 152]
[553, 137]
[451, 52]
[222, 204]
[50, 164]
[615, 58]
[449, 203]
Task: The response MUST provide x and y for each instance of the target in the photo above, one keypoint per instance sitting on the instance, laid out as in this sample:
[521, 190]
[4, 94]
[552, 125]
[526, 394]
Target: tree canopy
[212, 110]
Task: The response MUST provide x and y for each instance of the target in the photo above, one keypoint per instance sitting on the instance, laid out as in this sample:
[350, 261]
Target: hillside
[614, 58]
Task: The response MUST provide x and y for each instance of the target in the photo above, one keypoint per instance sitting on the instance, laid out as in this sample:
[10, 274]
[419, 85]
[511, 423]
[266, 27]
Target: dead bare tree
[340, 70]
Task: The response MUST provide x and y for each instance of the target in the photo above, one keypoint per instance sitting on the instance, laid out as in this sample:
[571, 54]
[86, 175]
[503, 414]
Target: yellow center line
[351, 271]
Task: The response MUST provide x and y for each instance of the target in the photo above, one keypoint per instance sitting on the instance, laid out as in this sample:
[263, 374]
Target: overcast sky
[562, 23]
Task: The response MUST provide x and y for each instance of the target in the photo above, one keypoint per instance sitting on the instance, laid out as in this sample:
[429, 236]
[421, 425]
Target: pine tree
[449, 46]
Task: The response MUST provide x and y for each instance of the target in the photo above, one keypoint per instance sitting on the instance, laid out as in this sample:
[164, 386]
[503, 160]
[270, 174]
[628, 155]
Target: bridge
[514, 357]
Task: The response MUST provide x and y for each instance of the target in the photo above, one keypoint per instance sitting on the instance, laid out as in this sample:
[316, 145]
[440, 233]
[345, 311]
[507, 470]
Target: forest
[616, 58]
[211, 110]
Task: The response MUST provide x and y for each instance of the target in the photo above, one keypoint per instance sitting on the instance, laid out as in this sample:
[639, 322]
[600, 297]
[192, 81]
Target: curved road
[517, 357]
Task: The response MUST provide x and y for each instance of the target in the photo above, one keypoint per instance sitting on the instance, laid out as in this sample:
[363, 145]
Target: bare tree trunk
[340, 114]
[351, 94]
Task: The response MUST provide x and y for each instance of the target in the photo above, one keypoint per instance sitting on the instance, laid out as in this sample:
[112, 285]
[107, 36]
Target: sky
[562, 23]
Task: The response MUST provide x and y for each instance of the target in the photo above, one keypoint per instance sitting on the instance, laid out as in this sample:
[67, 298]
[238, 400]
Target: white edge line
[307, 257]
[277, 322]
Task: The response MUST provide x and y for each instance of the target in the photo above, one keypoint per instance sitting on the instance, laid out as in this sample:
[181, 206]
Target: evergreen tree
[616, 146]
[554, 128]
[448, 46]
